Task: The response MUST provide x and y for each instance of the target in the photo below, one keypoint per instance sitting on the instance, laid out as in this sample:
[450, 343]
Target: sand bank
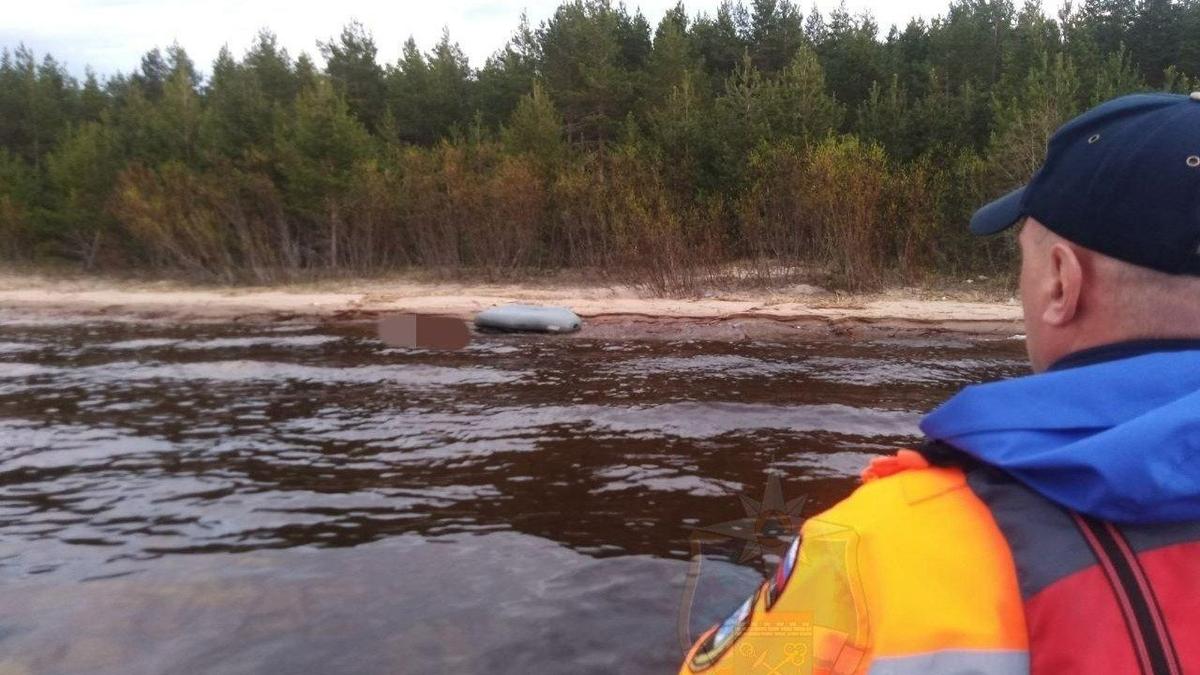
[607, 310]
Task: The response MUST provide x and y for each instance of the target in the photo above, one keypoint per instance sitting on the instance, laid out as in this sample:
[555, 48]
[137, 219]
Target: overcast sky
[111, 35]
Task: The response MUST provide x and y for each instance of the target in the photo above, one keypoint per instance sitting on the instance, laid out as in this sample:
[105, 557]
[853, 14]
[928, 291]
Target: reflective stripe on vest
[959, 662]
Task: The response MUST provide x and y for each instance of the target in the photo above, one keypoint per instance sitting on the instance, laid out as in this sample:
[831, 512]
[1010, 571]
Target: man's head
[1074, 298]
[1110, 241]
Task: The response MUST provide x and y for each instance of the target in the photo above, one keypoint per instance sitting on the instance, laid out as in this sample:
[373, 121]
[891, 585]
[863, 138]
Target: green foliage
[851, 54]
[1049, 97]
[16, 194]
[37, 102]
[351, 66]
[320, 147]
[679, 127]
[753, 134]
[238, 119]
[721, 40]
[507, 75]
[1116, 76]
[672, 59]
[803, 110]
[776, 33]
[590, 55]
[536, 130]
[81, 174]
[429, 94]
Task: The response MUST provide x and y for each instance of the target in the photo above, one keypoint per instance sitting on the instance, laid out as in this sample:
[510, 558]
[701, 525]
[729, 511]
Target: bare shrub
[614, 213]
[372, 232]
[844, 189]
[471, 207]
[226, 228]
[509, 213]
[827, 208]
[13, 230]
[776, 236]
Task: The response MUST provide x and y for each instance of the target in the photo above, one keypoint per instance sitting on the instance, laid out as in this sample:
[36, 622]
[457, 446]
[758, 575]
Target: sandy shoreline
[606, 310]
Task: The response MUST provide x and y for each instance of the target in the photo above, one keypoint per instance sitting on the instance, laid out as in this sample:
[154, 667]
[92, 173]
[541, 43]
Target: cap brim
[998, 215]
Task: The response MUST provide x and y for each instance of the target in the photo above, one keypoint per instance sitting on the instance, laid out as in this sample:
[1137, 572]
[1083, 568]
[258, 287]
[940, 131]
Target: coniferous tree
[727, 121]
[447, 105]
[803, 111]
[408, 88]
[852, 57]
[721, 40]
[319, 146]
[508, 75]
[153, 75]
[672, 59]
[1049, 97]
[238, 119]
[82, 173]
[884, 118]
[17, 196]
[92, 100]
[272, 67]
[776, 33]
[587, 48]
[1117, 76]
[536, 129]
[355, 74]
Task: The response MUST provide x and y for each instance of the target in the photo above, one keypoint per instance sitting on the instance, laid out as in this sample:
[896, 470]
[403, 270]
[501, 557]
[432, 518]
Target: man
[1050, 523]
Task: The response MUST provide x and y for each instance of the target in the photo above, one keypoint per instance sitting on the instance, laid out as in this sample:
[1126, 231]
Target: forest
[760, 142]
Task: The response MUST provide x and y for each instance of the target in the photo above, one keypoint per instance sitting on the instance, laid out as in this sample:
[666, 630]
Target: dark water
[303, 498]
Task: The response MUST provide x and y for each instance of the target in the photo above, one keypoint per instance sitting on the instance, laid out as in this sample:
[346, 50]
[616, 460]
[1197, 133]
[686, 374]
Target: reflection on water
[303, 498]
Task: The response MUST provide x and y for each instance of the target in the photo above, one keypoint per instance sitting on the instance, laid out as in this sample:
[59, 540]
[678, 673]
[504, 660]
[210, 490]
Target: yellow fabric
[910, 563]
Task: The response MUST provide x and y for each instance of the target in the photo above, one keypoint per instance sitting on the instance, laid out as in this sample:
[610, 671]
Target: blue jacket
[1113, 432]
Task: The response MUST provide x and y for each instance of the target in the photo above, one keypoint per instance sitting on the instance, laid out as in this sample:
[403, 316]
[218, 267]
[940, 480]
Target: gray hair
[1146, 302]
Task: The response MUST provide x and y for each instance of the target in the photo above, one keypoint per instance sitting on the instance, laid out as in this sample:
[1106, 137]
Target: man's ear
[1066, 280]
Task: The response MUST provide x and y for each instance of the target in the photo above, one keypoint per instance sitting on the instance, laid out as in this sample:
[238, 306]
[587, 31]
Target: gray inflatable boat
[530, 318]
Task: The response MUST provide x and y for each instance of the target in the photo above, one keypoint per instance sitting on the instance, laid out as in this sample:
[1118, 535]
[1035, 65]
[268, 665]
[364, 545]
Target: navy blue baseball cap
[1122, 179]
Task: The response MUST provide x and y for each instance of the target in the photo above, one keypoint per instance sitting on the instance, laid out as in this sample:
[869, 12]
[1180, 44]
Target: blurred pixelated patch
[414, 331]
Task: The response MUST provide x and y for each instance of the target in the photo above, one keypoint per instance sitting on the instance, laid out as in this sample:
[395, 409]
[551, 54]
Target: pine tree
[82, 174]
[776, 33]
[740, 121]
[1049, 97]
[884, 118]
[238, 119]
[721, 40]
[536, 129]
[851, 55]
[802, 109]
[153, 75]
[1117, 76]
[448, 99]
[408, 85]
[272, 67]
[319, 147]
[586, 49]
[351, 66]
[92, 99]
[507, 75]
[672, 59]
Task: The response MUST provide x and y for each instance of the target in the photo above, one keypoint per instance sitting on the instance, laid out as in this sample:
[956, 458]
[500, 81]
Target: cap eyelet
[1193, 161]
[1093, 139]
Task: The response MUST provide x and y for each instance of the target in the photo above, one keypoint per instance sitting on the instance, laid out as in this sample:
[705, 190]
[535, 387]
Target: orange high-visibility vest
[933, 570]
[908, 572]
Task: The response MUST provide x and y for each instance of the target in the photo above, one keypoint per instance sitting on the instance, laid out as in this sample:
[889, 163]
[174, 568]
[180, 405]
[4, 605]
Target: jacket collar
[1122, 350]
